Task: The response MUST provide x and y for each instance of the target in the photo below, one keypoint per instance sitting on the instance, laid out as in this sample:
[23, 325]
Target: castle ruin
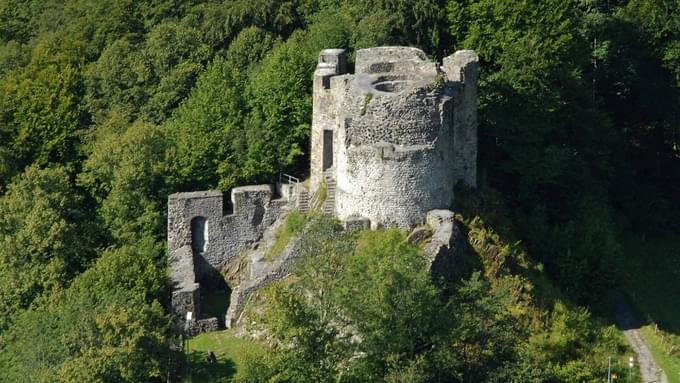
[388, 145]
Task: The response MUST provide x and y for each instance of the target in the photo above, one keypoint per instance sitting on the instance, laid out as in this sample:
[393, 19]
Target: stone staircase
[303, 200]
[329, 205]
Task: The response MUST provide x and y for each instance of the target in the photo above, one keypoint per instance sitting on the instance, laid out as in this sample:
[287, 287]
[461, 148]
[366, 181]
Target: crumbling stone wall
[447, 244]
[227, 231]
[461, 70]
[404, 132]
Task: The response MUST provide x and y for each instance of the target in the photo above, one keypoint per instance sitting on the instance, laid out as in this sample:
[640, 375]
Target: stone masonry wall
[404, 132]
[332, 62]
[393, 138]
[224, 236]
[461, 68]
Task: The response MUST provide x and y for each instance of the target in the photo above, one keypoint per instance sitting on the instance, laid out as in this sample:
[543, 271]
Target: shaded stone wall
[461, 70]
[228, 230]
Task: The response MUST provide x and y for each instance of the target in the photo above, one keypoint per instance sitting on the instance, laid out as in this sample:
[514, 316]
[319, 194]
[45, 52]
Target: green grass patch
[659, 346]
[319, 196]
[650, 280]
[231, 353]
[295, 222]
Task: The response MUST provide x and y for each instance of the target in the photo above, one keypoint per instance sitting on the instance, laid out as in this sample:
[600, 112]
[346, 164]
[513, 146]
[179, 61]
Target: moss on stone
[367, 99]
[319, 196]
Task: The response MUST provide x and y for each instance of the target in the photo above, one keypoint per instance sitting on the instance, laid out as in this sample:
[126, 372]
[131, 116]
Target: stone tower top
[395, 136]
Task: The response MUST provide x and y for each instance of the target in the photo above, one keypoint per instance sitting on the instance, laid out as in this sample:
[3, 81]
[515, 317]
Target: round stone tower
[401, 132]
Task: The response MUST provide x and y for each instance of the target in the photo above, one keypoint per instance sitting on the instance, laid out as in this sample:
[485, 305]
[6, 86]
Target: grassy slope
[652, 281]
[295, 222]
[229, 350]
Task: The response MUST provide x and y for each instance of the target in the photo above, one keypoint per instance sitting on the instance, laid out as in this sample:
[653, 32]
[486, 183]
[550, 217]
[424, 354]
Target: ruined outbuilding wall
[404, 132]
[226, 231]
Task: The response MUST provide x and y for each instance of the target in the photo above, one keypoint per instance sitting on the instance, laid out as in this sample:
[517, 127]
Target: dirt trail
[651, 372]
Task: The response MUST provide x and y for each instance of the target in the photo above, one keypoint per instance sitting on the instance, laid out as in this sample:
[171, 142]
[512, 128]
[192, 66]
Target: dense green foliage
[107, 107]
[365, 308]
[108, 327]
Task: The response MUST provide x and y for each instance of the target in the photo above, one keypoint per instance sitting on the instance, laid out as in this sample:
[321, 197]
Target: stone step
[303, 202]
[328, 206]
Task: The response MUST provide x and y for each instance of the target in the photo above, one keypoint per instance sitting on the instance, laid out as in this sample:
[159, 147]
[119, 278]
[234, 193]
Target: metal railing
[288, 179]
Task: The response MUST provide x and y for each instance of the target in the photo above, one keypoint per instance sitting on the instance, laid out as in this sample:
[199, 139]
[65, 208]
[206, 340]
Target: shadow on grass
[203, 371]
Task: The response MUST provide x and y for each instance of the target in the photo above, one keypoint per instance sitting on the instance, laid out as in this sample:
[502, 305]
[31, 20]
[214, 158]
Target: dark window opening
[199, 235]
[327, 149]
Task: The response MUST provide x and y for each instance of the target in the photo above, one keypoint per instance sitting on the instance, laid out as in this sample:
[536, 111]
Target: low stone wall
[202, 325]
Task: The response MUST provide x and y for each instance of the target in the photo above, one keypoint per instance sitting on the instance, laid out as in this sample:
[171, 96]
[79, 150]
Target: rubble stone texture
[204, 235]
[397, 135]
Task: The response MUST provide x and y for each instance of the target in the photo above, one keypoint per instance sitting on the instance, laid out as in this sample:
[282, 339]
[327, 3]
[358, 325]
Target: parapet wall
[204, 235]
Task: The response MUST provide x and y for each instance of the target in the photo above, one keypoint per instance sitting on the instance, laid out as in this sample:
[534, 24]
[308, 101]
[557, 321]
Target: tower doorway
[327, 159]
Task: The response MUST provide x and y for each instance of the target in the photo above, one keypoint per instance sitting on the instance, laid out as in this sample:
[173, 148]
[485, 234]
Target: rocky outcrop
[446, 244]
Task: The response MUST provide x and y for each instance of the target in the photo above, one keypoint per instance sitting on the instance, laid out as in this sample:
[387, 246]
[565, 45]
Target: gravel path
[651, 372]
